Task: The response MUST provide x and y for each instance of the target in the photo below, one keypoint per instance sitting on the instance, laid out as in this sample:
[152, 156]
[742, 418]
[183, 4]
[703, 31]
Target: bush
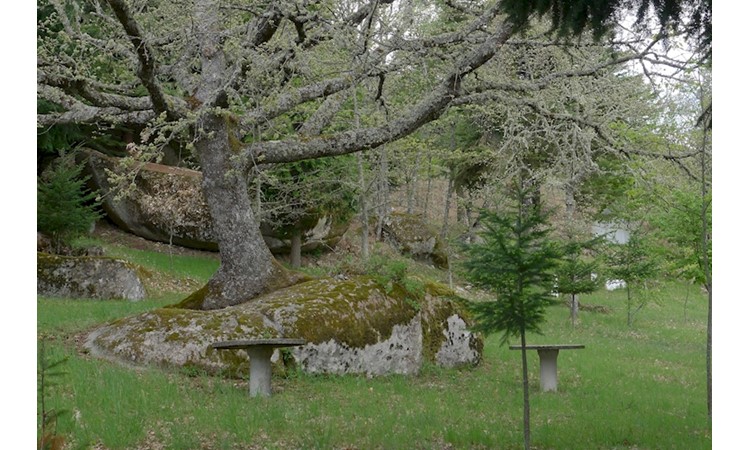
[65, 209]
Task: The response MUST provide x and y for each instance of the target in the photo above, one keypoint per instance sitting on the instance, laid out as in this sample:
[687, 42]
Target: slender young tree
[632, 263]
[574, 273]
[515, 259]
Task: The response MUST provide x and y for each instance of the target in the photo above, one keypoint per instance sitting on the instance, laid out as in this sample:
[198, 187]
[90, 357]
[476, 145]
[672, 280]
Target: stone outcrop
[412, 236]
[93, 277]
[169, 207]
[351, 326]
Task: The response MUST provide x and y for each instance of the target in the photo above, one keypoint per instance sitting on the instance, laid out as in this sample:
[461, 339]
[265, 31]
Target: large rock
[351, 326]
[94, 277]
[412, 236]
[169, 207]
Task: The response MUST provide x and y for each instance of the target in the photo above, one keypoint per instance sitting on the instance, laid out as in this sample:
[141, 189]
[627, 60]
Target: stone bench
[548, 362]
[260, 352]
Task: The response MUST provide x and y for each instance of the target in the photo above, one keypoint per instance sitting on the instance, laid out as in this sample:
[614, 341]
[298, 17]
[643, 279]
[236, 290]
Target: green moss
[193, 301]
[281, 278]
[438, 289]
[355, 312]
[434, 321]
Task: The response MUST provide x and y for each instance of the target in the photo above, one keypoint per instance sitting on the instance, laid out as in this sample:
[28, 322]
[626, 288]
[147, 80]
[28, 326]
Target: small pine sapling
[515, 259]
[65, 208]
[633, 263]
[574, 275]
[48, 372]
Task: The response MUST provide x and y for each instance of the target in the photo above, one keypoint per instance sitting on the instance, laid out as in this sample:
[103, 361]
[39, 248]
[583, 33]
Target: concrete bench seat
[548, 362]
[259, 351]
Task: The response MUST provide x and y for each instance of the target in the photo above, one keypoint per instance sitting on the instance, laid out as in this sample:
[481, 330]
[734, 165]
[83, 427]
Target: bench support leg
[548, 370]
[260, 371]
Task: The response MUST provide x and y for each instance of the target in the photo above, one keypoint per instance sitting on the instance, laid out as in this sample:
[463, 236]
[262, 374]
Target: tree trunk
[383, 191]
[429, 187]
[708, 356]
[630, 305]
[365, 236]
[706, 261]
[246, 263]
[295, 254]
[412, 184]
[447, 210]
[526, 404]
[573, 309]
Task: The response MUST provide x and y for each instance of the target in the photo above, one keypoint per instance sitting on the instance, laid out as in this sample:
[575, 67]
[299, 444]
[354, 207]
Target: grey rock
[351, 326]
[91, 277]
[412, 236]
[170, 207]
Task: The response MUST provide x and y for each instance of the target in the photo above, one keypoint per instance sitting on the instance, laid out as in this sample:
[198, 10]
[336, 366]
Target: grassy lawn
[640, 387]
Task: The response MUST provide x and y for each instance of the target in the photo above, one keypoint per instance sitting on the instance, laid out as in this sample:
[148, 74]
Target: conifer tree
[515, 259]
[65, 209]
[574, 273]
[632, 263]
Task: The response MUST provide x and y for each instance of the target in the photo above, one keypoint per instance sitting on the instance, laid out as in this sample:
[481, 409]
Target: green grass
[196, 267]
[640, 387]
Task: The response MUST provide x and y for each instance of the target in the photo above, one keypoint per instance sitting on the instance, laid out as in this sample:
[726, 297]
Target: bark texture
[246, 263]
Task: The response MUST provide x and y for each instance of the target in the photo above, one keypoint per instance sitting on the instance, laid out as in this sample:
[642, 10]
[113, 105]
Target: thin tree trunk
[365, 236]
[383, 193]
[412, 185]
[429, 186]
[630, 318]
[295, 255]
[706, 266]
[573, 309]
[526, 403]
[447, 210]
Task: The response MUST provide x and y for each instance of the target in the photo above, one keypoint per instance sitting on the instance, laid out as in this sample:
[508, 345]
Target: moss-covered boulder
[412, 236]
[351, 326]
[94, 277]
[169, 207]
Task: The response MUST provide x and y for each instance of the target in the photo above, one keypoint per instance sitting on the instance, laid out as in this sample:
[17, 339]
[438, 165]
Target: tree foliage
[680, 224]
[635, 263]
[295, 196]
[515, 259]
[573, 17]
[576, 269]
[65, 208]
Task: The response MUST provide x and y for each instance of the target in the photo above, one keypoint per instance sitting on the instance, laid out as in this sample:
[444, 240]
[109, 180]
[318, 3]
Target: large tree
[247, 84]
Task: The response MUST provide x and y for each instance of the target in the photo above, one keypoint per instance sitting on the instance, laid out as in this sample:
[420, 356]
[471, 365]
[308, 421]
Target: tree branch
[146, 58]
[361, 139]
[609, 140]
